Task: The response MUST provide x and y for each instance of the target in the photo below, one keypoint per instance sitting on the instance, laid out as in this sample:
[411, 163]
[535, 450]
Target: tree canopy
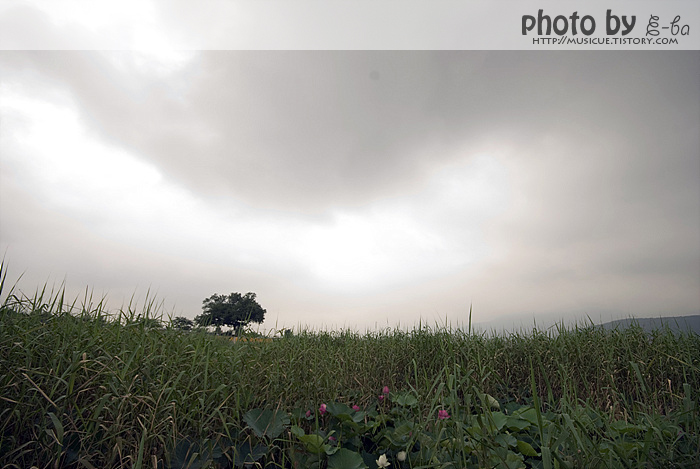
[181, 323]
[233, 310]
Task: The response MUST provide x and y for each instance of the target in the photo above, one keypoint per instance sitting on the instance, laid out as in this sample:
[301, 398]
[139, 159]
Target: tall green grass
[87, 388]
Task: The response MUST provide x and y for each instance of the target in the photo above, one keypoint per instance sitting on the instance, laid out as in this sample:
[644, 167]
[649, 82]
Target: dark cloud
[305, 130]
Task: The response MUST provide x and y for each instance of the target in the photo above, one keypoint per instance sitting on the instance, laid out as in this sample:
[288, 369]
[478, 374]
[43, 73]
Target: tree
[234, 310]
[150, 323]
[181, 323]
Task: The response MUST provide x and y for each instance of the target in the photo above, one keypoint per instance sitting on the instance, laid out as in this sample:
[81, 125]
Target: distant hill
[675, 323]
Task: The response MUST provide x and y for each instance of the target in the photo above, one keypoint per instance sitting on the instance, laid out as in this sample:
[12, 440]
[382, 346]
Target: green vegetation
[233, 310]
[82, 388]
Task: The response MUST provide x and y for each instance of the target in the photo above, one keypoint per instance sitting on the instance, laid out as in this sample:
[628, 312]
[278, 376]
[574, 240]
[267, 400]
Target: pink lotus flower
[322, 409]
[308, 414]
[331, 438]
[385, 390]
[381, 397]
[442, 414]
[356, 408]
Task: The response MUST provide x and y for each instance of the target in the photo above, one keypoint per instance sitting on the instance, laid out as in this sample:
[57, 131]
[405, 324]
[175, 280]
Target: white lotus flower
[382, 461]
[401, 456]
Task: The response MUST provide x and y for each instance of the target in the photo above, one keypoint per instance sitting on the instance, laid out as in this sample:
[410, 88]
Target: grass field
[83, 388]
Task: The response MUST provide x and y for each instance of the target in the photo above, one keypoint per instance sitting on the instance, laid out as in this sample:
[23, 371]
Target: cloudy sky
[357, 189]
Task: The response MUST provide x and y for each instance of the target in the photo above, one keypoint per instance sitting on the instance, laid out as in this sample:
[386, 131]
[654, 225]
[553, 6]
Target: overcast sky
[357, 189]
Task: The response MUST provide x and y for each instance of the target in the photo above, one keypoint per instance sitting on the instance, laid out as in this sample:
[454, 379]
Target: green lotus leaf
[266, 422]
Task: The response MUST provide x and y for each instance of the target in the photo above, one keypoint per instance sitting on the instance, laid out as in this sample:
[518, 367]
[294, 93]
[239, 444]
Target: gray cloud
[600, 151]
[300, 130]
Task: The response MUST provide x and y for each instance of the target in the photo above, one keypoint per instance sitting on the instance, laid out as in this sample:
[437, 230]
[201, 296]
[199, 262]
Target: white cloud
[435, 230]
[73, 170]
